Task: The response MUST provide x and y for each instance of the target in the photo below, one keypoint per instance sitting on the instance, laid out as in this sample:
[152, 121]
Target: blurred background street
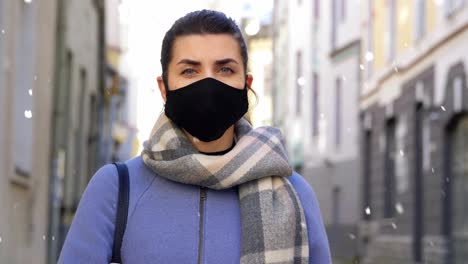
[371, 95]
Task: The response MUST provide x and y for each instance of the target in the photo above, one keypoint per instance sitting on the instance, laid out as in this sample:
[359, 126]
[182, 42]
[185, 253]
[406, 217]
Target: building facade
[26, 92]
[78, 112]
[258, 37]
[53, 107]
[413, 105]
[316, 76]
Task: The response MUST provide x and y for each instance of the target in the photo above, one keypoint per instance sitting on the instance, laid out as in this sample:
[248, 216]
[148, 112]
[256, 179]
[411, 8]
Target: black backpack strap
[122, 211]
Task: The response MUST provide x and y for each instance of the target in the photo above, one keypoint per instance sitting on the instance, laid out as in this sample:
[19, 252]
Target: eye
[226, 70]
[188, 72]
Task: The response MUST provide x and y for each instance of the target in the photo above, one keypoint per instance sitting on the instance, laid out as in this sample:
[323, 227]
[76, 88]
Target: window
[336, 206]
[1, 47]
[420, 25]
[390, 33]
[342, 10]
[315, 104]
[418, 219]
[299, 82]
[80, 161]
[336, 215]
[338, 114]
[339, 11]
[370, 36]
[92, 137]
[400, 155]
[367, 170]
[389, 169]
[24, 79]
[459, 186]
[458, 94]
[317, 9]
[451, 6]
[334, 23]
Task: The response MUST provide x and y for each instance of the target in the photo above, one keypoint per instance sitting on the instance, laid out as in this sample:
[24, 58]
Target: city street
[371, 98]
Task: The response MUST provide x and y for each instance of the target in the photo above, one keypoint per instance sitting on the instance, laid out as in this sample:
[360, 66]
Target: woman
[207, 188]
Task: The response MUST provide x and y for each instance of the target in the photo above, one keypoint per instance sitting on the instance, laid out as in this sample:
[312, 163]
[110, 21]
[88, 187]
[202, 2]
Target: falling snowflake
[28, 1]
[301, 81]
[0, 239]
[30, 92]
[368, 211]
[394, 226]
[28, 114]
[361, 66]
[443, 108]
[395, 67]
[352, 236]
[369, 56]
[402, 153]
[43, 237]
[399, 208]
[3, 31]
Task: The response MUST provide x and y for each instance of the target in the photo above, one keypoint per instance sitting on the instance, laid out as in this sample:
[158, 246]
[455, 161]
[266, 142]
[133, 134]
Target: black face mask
[206, 108]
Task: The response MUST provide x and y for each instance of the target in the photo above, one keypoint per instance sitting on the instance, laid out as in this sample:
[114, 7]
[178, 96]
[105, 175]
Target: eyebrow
[225, 61]
[197, 63]
[190, 62]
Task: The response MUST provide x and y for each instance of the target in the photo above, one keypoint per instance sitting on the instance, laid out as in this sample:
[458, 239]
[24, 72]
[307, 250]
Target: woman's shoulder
[301, 186]
[306, 195]
[103, 186]
[318, 241]
[107, 175]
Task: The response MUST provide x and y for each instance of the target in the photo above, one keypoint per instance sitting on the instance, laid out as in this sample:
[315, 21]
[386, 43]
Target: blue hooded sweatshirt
[164, 218]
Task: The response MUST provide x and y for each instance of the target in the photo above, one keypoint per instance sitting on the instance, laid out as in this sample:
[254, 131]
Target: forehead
[206, 47]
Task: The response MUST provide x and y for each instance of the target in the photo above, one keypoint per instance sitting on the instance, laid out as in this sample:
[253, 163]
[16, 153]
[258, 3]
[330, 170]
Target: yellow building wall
[431, 18]
[405, 25]
[380, 15]
[113, 57]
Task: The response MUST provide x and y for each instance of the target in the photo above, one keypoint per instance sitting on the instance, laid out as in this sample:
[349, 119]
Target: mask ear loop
[166, 87]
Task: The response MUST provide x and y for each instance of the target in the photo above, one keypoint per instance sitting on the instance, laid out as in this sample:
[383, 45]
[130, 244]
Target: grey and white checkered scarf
[272, 218]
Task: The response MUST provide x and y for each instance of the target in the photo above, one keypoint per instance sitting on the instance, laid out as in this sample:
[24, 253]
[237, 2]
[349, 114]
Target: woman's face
[195, 57]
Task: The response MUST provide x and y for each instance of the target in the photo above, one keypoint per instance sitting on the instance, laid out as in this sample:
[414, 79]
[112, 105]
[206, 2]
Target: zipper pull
[202, 193]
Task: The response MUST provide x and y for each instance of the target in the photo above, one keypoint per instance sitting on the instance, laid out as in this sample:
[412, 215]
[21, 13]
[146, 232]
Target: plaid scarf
[272, 218]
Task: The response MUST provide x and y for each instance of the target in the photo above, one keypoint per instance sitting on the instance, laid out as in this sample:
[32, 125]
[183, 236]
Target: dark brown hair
[199, 23]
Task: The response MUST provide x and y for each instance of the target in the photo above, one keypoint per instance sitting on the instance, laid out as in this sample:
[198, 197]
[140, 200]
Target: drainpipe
[99, 5]
[55, 183]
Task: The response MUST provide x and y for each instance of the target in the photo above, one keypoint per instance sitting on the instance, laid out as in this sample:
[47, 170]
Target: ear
[162, 88]
[249, 80]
